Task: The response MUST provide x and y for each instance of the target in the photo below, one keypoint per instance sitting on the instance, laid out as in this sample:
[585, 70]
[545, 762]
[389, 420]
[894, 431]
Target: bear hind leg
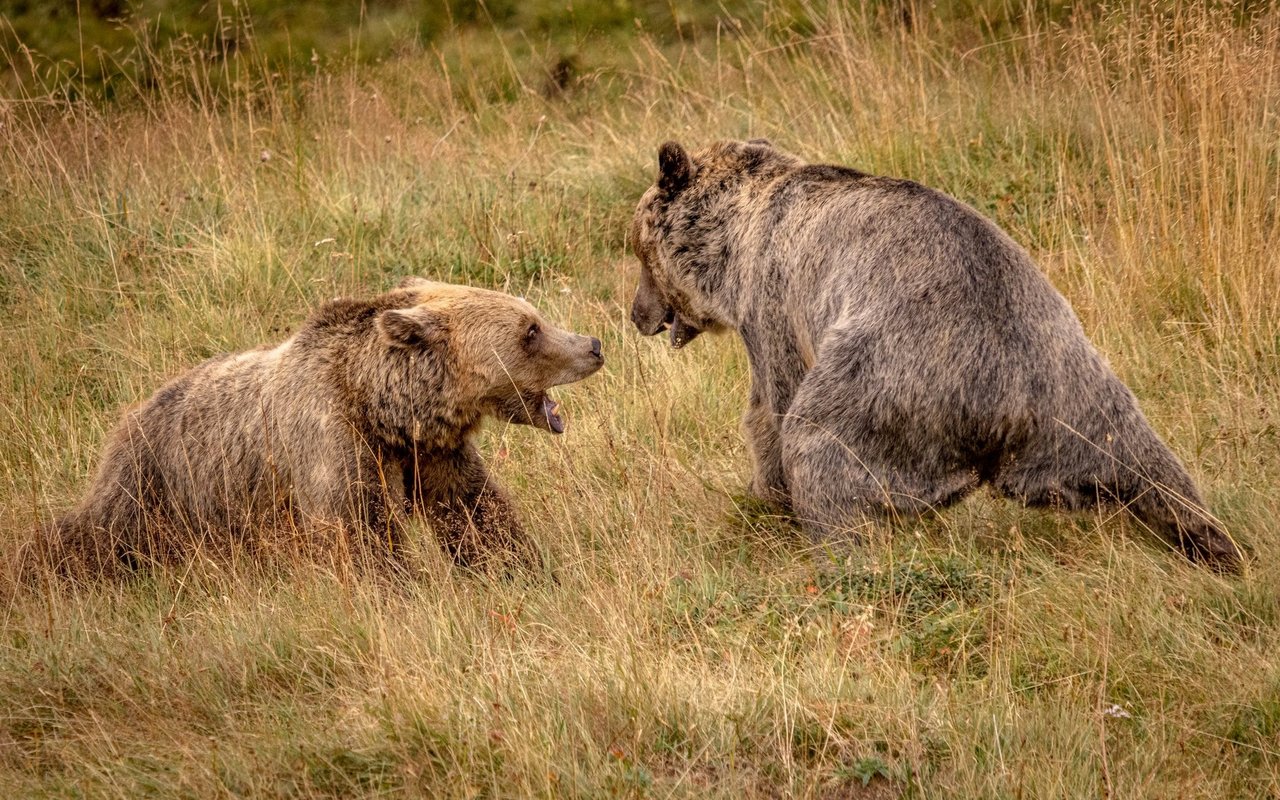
[1137, 472]
[850, 458]
[842, 478]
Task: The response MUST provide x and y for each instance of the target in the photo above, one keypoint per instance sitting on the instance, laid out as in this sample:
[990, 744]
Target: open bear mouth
[682, 332]
[538, 409]
[666, 322]
[548, 412]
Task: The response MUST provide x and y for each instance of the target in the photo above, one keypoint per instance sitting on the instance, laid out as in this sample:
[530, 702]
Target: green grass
[693, 644]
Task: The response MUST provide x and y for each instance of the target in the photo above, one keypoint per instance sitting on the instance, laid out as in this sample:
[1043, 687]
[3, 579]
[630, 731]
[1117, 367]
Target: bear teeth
[551, 410]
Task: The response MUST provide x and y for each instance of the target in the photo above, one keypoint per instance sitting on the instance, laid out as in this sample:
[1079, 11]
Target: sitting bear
[363, 416]
[903, 349]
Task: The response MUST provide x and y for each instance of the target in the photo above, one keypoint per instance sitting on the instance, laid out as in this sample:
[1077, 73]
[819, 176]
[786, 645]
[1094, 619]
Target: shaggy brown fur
[365, 415]
[903, 349]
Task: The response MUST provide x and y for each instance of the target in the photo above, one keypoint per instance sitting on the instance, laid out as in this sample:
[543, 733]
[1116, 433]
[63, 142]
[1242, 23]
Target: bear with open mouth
[362, 417]
[904, 350]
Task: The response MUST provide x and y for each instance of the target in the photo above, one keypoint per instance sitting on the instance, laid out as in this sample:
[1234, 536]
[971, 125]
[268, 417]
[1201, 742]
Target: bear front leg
[473, 516]
[764, 441]
[362, 504]
[384, 526]
[481, 528]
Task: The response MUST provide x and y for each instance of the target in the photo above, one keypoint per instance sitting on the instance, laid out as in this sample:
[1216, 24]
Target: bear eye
[533, 332]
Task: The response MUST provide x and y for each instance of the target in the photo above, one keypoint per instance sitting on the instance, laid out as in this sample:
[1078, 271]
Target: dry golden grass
[691, 645]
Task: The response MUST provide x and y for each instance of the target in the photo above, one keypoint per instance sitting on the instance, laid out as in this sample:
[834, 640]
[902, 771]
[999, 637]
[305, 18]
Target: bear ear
[413, 282]
[415, 327]
[675, 168]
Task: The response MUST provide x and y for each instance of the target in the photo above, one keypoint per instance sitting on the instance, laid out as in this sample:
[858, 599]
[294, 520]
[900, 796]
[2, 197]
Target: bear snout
[581, 358]
[593, 359]
[650, 317]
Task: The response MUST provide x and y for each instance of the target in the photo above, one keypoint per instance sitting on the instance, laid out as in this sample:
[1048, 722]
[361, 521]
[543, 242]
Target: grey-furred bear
[904, 350]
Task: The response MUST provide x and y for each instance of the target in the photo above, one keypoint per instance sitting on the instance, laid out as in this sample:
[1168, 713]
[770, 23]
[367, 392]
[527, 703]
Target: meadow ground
[691, 645]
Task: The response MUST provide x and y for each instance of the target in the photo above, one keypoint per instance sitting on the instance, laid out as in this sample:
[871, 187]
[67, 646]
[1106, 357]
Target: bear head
[681, 234]
[488, 352]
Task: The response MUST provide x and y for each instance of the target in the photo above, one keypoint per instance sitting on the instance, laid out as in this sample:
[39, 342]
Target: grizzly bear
[903, 349]
[363, 416]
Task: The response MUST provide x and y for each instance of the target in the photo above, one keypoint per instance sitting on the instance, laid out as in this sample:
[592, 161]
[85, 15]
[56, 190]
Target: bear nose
[595, 347]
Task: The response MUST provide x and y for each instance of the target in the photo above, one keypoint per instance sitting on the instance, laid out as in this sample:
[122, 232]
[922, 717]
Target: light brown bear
[363, 416]
[903, 349]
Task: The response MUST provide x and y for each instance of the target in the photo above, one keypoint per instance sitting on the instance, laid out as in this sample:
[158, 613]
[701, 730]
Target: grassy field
[692, 645]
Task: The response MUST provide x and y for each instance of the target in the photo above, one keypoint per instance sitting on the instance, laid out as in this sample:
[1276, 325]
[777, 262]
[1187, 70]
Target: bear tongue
[551, 409]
